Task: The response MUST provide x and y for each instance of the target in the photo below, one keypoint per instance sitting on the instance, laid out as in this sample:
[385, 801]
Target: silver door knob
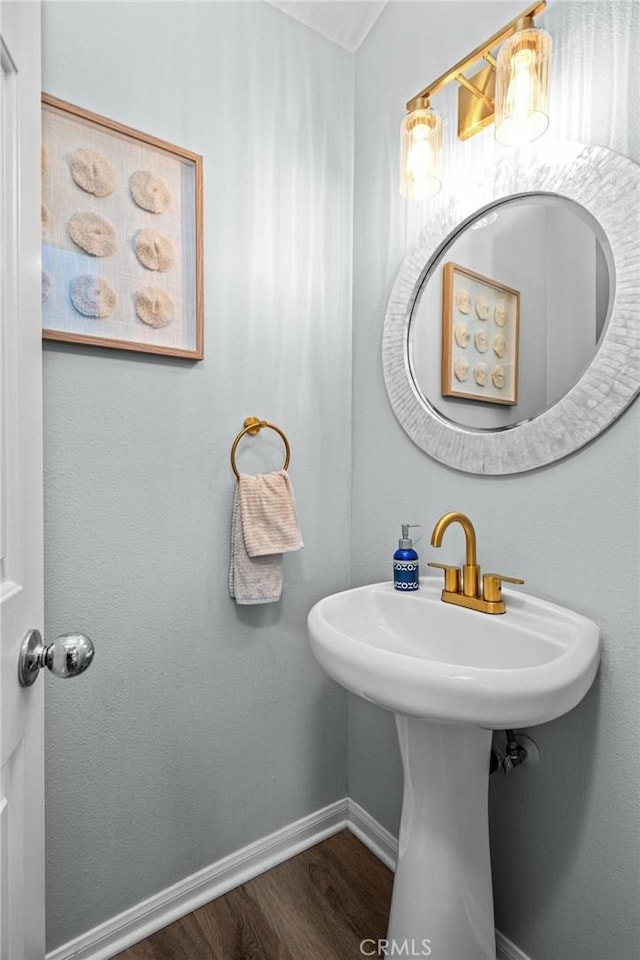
[68, 656]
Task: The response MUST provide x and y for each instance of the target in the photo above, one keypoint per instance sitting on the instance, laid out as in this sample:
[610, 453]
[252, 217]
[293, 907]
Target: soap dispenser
[406, 572]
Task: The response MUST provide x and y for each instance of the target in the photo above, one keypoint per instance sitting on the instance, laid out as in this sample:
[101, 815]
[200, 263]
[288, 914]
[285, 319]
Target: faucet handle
[451, 576]
[491, 586]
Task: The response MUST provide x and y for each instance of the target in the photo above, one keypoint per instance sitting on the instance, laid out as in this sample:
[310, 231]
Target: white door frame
[21, 553]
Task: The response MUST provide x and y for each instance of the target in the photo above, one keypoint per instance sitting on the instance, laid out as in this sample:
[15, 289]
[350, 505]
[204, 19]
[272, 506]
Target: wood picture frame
[480, 337]
[122, 236]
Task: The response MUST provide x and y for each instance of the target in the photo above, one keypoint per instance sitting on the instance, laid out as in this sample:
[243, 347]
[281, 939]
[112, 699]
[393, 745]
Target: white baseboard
[374, 836]
[122, 931]
[506, 950]
[139, 922]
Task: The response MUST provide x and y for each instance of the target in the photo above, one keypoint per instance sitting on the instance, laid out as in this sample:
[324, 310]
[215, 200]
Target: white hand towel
[268, 512]
[264, 526]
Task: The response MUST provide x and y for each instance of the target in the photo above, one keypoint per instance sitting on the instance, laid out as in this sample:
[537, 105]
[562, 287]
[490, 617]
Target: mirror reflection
[510, 314]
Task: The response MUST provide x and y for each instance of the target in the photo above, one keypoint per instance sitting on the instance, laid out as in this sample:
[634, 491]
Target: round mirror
[527, 286]
[511, 336]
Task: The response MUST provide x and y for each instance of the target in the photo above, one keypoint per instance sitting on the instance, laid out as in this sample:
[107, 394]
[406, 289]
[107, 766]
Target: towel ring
[253, 426]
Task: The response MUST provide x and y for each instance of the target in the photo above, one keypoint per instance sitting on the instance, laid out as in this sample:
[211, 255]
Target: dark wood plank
[286, 894]
[369, 879]
[333, 906]
[359, 890]
[237, 926]
[182, 940]
[319, 905]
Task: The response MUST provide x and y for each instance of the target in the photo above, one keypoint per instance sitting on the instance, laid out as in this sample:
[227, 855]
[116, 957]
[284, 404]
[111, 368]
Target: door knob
[68, 656]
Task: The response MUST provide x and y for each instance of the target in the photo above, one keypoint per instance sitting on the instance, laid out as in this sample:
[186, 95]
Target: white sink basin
[420, 657]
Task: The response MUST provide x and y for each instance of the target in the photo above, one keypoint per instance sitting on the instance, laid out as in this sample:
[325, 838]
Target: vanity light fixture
[420, 150]
[512, 91]
[522, 85]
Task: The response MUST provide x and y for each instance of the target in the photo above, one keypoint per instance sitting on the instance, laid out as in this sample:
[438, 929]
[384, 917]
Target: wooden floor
[318, 906]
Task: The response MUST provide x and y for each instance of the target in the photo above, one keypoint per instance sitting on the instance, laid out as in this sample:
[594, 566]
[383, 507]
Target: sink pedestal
[442, 889]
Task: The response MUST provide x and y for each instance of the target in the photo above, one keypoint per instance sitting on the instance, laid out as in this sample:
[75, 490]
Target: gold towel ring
[253, 426]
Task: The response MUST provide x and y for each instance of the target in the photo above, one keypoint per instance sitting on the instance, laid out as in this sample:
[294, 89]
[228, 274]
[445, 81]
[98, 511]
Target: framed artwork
[122, 236]
[480, 330]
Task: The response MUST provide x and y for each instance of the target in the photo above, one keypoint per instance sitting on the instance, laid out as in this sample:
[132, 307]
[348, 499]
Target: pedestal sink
[451, 676]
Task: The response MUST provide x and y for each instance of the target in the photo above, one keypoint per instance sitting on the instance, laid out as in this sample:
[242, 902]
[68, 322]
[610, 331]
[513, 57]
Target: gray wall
[201, 726]
[565, 833]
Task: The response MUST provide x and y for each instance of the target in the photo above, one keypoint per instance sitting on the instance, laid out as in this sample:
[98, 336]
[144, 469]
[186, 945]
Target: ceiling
[345, 22]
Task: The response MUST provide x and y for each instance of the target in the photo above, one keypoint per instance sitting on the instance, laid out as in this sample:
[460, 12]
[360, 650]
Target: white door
[21, 709]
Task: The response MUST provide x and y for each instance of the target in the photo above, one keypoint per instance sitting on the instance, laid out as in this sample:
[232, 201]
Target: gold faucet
[463, 586]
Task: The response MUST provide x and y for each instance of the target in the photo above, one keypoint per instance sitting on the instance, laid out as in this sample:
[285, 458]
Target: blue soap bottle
[406, 570]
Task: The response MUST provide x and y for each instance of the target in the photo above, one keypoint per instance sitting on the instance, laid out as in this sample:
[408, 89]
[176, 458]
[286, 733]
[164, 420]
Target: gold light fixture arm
[471, 87]
[482, 52]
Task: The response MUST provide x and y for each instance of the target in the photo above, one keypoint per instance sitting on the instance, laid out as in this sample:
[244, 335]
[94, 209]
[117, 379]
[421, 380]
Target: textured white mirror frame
[607, 185]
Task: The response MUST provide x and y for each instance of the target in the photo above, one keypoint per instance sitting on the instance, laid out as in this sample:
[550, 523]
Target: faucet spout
[468, 591]
[469, 533]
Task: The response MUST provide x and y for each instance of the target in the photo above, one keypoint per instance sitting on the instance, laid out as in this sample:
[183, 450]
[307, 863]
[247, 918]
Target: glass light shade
[522, 87]
[420, 152]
